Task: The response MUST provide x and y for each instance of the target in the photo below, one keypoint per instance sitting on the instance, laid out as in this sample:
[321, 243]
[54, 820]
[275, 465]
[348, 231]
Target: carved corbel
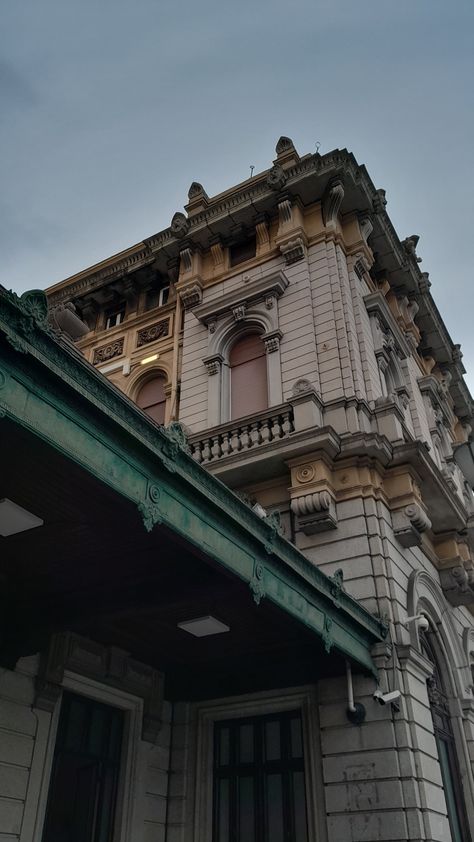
[262, 235]
[332, 201]
[314, 512]
[272, 341]
[409, 523]
[213, 364]
[365, 225]
[239, 311]
[191, 295]
[458, 583]
[293, 250]
[284, 211]
[218, 254]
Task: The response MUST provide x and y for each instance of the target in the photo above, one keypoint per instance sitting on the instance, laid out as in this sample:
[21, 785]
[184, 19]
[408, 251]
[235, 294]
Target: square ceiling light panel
[204, 626]
[14, 518]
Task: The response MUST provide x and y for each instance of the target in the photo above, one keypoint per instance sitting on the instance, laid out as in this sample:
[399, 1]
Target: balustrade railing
[243, 434]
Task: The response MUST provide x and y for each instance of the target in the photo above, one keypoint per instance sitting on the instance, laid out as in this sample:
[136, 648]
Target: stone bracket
[409, 523]
[315, 512]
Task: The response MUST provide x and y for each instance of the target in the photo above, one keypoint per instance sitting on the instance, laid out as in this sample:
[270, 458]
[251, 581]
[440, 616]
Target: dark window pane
[115, 737]
[75, 724]
[299, 808]
[107, 802]
[223, 811]
[246, 810]
[449, 790]
[224, 743]
[244, 250]
[296, 738]
[259, 789]
[272, 740]
[246, 743]
[274, 807]
[98, 731]
[83, 787]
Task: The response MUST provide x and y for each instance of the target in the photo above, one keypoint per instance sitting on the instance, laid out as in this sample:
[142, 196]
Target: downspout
[355, 711]
[170, 762]
[174, 371]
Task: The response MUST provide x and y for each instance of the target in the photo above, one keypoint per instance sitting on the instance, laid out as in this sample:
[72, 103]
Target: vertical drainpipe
[174, 371]
[170, 763]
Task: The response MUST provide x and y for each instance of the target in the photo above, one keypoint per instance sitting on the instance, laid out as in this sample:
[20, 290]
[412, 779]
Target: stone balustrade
[251, 432]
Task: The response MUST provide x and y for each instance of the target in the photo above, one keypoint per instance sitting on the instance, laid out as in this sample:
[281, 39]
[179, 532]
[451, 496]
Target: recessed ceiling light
[204, 626]
[14, 518]
[149, 359]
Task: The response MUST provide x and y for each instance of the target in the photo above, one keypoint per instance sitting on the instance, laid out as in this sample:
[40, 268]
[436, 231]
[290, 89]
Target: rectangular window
[114, 317]
[83, 789]
[156, 297]
[259, 785]
[242, 251]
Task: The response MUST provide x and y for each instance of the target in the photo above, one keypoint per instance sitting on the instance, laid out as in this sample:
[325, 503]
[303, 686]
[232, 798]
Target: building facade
[294, 338]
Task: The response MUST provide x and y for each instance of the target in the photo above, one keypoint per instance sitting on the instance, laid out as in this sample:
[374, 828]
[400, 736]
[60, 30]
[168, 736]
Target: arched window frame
[232, 366]
[426, 596]
[252, 308]
[223, 338]
[141, 379]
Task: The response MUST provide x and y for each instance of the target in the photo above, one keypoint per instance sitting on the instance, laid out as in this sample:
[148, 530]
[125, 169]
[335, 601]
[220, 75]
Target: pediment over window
[384, 325]
[265, 289]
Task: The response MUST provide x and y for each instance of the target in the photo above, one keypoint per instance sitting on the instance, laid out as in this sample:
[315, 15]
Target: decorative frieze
[109, 351]
[152, 333]
[106, 664]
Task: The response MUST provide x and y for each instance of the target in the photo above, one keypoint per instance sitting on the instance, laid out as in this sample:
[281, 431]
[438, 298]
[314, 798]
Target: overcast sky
[111, 108]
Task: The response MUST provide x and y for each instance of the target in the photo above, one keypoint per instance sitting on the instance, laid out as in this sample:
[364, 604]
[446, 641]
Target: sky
[110, 109]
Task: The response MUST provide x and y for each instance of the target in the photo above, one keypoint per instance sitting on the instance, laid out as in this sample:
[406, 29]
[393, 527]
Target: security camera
[259, 510]
[386, 698]
[422, 622]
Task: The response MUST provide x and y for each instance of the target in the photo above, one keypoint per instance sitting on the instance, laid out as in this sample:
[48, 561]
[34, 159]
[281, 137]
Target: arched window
[445, 743]
[152, 399]
[248, 376]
